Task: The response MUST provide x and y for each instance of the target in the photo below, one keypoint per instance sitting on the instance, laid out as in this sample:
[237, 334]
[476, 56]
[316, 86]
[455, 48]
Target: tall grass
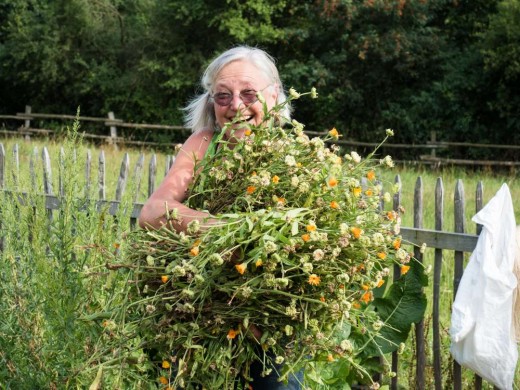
[55, 289]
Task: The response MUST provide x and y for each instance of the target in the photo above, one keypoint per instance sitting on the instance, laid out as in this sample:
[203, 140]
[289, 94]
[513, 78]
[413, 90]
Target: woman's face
[241, 78]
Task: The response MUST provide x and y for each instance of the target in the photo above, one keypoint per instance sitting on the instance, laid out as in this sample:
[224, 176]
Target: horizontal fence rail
[113, 124]
[459, 241]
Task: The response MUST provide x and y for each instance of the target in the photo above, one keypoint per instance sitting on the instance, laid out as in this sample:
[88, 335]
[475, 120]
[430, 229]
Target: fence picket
[61, 166]
[437, 268]
[152, 172]
[419, 327]
[16, 166]
[458, 264]
[138, 171]
[32, 168]
[2, 165]
[47, 172]
[123, 177]
[101, 176]
[397, 272]
[88, 170]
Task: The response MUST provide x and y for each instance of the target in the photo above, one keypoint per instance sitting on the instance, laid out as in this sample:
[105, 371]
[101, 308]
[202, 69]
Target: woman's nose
[236, 102]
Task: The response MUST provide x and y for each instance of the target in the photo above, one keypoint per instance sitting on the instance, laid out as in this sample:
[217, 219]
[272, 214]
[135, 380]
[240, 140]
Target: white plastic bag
[481, 330]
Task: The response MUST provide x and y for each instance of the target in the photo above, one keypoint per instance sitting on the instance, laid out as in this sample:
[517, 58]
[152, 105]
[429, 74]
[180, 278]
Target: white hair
[200, 113]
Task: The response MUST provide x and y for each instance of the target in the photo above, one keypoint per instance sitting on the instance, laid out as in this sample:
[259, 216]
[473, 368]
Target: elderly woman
[231, 83]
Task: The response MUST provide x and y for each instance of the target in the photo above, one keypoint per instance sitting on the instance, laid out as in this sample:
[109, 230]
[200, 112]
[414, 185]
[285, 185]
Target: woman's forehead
[240, 73]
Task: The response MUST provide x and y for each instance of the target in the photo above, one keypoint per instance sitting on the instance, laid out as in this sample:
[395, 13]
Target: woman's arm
[174, 188]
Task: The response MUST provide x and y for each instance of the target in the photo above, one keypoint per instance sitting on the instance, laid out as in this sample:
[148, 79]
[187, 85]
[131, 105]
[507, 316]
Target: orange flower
[334, 205]
[380, 283]
[322, 299]
[397, 243]
[356, 305]
[276, 179]
[391, 215]
[365, 287]
[306, 237]
[117, 245]
[280, 200]
[247, 132]
[330, 358]
[369, 193]
[404, 269]
[356, 191]
[194, 251]
[311, 228]
[163, 380]
[165, 364]
[381, 255]
[371, 175]
[164, 278]
[333, 182]
[232, 334]
[253, 173]
[367, 297]
[251, 189]
[241, 268]
[334, 133]
[356, 232]
[314, 280]
[259, 263]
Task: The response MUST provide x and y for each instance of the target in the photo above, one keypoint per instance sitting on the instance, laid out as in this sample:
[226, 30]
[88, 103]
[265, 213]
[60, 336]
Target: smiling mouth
[243, 119]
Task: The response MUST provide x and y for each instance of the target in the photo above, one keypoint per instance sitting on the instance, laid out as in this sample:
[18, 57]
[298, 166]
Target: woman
[231, 83]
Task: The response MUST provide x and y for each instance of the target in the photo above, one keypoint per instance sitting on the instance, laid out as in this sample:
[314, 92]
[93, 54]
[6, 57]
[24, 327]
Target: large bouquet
[288, 280]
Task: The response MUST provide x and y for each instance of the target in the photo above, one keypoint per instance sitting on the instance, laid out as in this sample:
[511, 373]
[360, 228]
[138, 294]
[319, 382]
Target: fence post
[113, 129]
[433, 140]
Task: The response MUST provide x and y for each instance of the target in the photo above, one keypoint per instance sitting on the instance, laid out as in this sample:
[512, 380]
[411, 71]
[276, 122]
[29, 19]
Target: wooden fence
[432, 146]
[459, 241]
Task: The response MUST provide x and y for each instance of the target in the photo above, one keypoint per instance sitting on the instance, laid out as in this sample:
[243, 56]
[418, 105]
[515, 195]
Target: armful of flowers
[303, 246]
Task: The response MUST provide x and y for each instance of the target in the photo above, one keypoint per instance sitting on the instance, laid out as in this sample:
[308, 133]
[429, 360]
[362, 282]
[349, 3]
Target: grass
[56, 266]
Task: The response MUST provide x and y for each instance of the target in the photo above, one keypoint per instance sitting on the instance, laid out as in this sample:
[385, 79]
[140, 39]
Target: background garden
[449, 66]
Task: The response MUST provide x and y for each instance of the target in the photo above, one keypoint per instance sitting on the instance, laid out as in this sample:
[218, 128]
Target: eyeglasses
[248, 96]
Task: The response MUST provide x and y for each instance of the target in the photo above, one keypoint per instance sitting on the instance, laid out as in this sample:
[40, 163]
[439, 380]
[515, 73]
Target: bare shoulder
[196, 145]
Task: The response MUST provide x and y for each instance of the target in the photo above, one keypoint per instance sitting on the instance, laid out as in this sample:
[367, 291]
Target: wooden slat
[437, 268]
[419, 326]
[47, 172]
[2, 165]
[458, 265]
[152, 172]
[32, 168]
[61, 179]
[88, 172]
[443, 240]
[138, 172]
[101, 176]
[397, 273]
[123, 177]
[16, 166]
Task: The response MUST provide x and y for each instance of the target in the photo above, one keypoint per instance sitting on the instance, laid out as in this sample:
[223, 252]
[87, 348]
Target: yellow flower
[380, 283]
[311, 227]
[330, 358]
[251, 189]
[365, 287]
[165, 364]
[369, 193]
[391, 215]
[333, 182]
[306, 237]
[356, 305]
[247, 132]
[381, 255]
[276, 179]
[371, 175]
[259, 263]
[334, 133]
[322, 298]
[397, 243]
[314, 280]
[164, 278]
[356, 232]
[194, 251]
[232, 334]
[404, 269]
[334, 205]
[241, 268]
[163, 380]
[356, 191]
